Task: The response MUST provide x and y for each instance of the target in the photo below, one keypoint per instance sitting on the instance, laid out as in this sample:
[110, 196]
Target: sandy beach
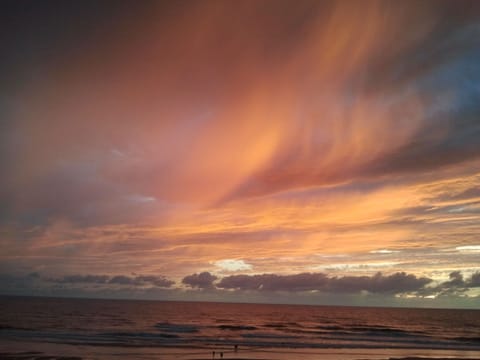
[12, 350]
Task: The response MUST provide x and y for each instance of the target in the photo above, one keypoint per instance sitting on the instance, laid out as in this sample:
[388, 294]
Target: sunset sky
[320, 152]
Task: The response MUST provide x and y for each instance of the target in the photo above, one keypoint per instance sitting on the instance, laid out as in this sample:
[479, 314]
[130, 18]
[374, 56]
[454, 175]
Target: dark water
[208, 325]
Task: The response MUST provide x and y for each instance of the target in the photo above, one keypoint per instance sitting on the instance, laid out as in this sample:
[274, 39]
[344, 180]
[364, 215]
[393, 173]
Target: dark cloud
[457, 285]
[451, 124]
[379, 283]
[457, 281]
[474, 280]
[82, 279]
[140, 280]
[264, 285]
[18, 284]
[203, 280]
[122, 280]
[272, 282]
[423, 155]
[89, 286]
[159, 281]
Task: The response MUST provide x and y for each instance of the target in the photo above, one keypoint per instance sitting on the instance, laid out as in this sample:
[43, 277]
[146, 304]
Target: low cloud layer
[139, 280]
[203, 280]
[457, 284]
[310, 288]
[378, 283]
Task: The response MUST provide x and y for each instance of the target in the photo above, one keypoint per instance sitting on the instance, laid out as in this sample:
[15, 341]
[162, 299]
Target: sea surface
[115, 328]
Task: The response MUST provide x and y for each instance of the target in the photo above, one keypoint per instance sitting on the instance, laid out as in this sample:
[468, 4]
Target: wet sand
[13, 350]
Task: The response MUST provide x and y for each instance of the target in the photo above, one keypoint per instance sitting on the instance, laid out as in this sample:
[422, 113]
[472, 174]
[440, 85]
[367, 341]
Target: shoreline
[21, 350]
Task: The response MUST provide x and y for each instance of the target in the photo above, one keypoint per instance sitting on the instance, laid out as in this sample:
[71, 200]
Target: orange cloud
[195, 134]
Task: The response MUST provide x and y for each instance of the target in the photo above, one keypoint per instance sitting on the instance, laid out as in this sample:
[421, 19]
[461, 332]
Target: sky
[313, 152]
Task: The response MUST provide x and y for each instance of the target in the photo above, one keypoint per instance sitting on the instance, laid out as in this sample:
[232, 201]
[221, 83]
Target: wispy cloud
[221, 137]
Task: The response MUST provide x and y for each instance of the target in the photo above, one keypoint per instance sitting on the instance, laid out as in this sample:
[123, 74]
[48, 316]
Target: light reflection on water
[184, 325]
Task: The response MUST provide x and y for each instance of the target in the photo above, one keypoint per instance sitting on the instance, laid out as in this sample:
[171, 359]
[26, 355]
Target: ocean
[58, 328]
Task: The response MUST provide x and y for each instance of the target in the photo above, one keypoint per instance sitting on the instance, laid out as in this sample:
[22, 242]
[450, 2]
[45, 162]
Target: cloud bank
[298, 286]
[139, 280]
[378, 283]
